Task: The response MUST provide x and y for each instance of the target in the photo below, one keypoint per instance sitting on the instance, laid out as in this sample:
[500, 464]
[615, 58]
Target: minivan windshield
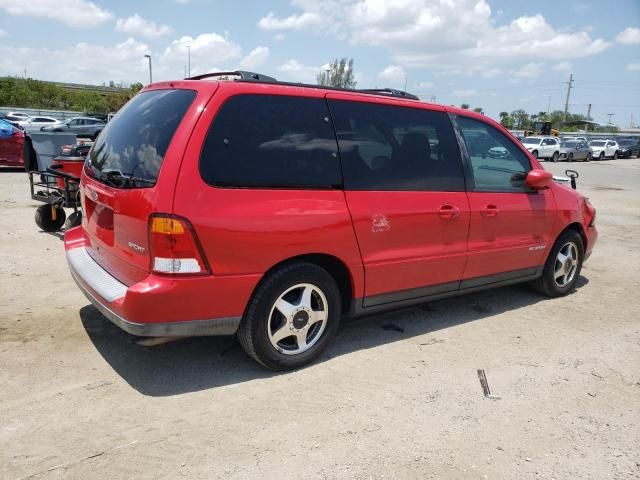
[130, 150]
[531, 141]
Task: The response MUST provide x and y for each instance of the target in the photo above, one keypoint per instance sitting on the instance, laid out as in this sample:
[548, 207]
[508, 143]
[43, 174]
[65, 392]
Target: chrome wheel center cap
[300, 319]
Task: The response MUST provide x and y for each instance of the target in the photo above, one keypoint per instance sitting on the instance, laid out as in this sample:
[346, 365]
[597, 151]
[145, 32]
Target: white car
[543, 147]
[575, 139]
[19, 115]
[604, 149]
[36, 123]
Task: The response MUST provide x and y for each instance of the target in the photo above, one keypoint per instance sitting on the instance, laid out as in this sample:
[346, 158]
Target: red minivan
[270, 210]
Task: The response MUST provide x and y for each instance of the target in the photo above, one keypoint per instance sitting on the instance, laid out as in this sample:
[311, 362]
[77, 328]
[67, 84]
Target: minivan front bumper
[109, 296]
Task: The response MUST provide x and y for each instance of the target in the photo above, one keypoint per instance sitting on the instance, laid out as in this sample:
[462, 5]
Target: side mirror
[539, 179]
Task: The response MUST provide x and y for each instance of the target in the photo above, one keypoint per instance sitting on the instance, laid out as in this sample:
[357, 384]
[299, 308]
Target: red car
[272, 210]
[11, 145]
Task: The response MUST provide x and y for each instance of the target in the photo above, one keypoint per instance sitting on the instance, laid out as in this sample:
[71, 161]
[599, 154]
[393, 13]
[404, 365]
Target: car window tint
[136, 140]
[271, 141]
[497, 162]
[386, 147]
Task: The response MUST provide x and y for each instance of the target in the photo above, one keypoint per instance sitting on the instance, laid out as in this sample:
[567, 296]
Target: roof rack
[260, 78]
[244, 76]
[392, 92]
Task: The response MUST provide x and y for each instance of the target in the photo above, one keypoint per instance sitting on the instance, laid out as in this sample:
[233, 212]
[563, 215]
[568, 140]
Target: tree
[521, 119]
[478, 110]
[464, 106]
[339, 74]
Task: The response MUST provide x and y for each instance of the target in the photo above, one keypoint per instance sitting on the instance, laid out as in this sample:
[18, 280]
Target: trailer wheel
[74, 220]
[44, 218]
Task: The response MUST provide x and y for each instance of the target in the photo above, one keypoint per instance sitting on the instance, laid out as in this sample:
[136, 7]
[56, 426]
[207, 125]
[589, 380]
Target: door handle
[489, 211]
[448, 211]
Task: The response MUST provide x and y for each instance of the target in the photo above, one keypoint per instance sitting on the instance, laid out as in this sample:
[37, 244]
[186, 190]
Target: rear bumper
[114, 299]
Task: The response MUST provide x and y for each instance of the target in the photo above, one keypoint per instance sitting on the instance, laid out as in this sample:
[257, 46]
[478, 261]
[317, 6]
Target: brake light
[174, 247]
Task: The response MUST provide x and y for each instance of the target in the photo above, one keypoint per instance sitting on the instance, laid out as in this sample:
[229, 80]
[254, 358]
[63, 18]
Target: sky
[501, 55]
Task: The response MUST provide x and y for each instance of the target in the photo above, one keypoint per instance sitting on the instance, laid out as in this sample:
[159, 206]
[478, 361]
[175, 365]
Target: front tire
[563, 266]
[588, 158]
[555, 157]
[535, 154]
[601, 156]
[570, 157]
[292, 316]
[615, 155]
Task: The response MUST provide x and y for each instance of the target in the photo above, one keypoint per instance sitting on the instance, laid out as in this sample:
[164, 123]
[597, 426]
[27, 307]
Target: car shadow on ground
[200, 363]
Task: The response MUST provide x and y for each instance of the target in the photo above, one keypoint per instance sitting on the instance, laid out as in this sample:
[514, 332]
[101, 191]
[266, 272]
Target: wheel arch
[332, 264]
[576, 227]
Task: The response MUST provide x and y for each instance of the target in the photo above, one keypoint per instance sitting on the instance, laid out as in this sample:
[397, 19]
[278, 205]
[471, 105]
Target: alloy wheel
[566, 264]
[297, 319]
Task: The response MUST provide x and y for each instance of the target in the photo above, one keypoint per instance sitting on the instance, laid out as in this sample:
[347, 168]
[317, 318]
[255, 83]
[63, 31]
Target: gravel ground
[81, 400]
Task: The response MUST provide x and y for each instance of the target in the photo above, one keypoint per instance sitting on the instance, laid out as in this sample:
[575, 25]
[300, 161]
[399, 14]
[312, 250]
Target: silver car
[573, 150]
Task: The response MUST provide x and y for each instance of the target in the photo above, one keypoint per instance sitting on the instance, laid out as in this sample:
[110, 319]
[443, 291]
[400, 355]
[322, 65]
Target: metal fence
[57, 114]
[589, 136]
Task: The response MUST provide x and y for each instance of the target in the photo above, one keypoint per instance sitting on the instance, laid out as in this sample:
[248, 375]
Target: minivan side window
[386, 147]
[497, 163]
[271, 141]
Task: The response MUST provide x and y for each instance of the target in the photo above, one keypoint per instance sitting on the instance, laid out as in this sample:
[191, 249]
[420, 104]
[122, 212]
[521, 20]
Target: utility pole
[610, 115]
[405, 82]
[548, 105]
[589, 112]
[566, 103]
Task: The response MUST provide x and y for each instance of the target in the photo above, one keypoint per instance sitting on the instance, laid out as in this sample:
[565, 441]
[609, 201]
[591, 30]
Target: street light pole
[189, 60]
[150, 72]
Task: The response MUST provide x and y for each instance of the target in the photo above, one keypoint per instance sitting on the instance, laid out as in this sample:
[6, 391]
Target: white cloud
[3, 33]
[279, 37]
[563, 67]
[258, 56]
[634, 67]
[461, 35]
[80, 63]
[530, 70]
[136, 25]
[491, 72]
[182, 2]
[298, 72]
[75, 13]
[207, 49]
[392, 73]
[293, 22]
[629, 36]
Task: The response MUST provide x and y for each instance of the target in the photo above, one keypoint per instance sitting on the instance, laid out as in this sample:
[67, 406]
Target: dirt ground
[79, 399]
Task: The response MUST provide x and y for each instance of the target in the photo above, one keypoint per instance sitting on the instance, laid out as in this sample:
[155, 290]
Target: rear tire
[286, 341]
[44, 218]
[563, 266]
[588, 158]
[570, 157]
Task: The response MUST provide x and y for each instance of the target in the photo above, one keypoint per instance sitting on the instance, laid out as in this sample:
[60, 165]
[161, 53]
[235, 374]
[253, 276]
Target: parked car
[296, 206]
[629, 147]
[19, 115]
[543, 147]
[571, 150]
[575, 139]
[82, 126]
[11, 145]
[604, 149]
[35, 123]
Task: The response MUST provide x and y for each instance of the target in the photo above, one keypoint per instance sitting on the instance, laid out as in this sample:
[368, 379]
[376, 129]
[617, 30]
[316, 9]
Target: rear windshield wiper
[125, 179]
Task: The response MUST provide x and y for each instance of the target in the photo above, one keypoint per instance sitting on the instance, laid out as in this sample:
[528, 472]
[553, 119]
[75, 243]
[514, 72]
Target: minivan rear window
[271, 141]
[131, 148]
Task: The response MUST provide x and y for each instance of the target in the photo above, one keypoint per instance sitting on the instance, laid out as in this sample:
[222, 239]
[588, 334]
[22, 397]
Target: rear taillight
[174, 247]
